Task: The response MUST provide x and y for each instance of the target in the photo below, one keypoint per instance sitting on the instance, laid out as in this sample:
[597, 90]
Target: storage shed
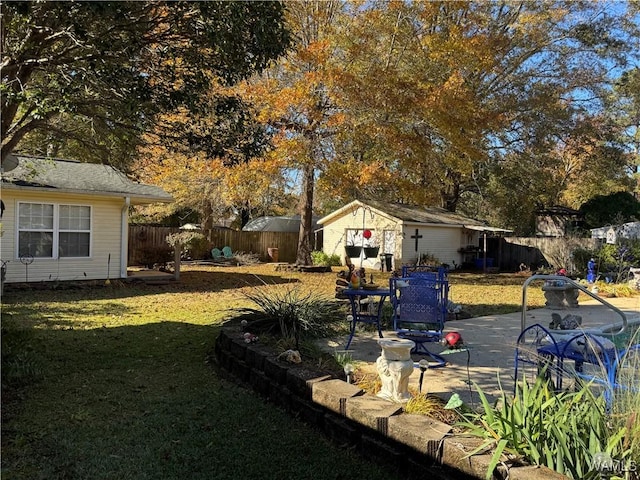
[407, 233]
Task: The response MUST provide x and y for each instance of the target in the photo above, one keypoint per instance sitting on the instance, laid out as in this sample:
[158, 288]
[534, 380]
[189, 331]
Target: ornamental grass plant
[564, 431]
[290, 312]
[625, 411]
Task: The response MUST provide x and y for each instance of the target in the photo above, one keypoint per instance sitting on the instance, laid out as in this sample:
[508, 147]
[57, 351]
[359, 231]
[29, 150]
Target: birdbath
[395, 366]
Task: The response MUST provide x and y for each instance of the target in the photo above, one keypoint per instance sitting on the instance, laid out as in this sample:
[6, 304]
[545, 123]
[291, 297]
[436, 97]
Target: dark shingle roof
[410, 214]
[76, 177]
[415, 214]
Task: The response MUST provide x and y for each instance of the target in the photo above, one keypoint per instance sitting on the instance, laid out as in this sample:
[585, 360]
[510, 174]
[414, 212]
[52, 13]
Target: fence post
[176, 261]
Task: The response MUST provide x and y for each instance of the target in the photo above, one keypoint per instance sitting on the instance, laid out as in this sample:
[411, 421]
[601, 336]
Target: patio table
[365, 313]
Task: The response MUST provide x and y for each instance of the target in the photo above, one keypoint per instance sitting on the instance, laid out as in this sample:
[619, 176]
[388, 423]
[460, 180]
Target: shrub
[289, 311]
[194, 245]
[322, 259]
[613, 260]
[155, 255]
[581, 257]
[563, 431]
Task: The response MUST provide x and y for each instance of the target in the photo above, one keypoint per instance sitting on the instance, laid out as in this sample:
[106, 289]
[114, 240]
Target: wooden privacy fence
[148, 241]
[535, 252]
[507, 253]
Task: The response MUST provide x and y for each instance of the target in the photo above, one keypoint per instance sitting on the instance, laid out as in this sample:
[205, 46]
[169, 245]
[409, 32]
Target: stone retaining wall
[415, 446]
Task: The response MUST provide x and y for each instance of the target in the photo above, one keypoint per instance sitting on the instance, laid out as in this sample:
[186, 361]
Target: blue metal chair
[624, 374]
[537, 348]
[599, 362]
[593, 358]
[419, 311]
[431, 273]
[427, 271]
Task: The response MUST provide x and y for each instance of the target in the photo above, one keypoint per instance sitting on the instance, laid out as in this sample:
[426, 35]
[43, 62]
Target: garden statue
[394, 367]
[591, 271]
[344, 280]
[569, 322]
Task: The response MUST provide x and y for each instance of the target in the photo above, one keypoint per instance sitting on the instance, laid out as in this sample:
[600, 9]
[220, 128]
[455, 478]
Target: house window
[54, 231]
[356, 237]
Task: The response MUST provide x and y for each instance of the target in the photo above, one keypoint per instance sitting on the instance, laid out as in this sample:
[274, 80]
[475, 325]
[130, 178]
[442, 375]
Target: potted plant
[371, 252]
[353, 251]
[372, 248]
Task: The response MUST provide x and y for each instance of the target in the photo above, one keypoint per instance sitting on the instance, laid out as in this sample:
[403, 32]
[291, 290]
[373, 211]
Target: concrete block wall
[415, 446]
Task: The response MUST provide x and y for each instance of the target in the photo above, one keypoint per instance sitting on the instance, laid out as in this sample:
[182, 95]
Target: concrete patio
[491, 343]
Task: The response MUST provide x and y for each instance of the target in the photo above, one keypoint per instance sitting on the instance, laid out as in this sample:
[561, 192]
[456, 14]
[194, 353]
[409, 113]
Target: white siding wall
[441, 242]
[105, 240]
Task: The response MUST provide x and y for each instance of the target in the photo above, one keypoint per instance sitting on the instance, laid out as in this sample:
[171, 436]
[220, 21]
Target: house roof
[626, 230]
[68, 176]
[275, 224]
[558, 210]
[414, 214]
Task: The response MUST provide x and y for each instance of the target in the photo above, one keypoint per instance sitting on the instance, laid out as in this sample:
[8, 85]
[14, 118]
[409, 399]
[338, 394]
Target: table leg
[379, 316]
[354, 313]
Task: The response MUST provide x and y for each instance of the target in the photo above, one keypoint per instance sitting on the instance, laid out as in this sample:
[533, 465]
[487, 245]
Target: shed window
[54, 231]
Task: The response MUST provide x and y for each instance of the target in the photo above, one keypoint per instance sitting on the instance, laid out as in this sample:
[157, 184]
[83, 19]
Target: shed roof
[413, 214]
[69, 176]
[626, 230]
[558, 210]
[275, 224]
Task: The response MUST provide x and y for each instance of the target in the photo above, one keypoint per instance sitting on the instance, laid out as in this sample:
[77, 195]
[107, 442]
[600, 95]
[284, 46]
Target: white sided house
[404, 231]
[67, 220]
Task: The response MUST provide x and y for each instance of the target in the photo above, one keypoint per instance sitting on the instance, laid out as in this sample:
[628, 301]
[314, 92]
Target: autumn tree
[217, 188]
[97, 74]
[440, 93]
[294, 100]
[625, 109]
[215, 161]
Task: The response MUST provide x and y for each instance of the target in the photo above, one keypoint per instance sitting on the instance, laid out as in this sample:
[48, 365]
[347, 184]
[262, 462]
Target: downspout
[124, 237]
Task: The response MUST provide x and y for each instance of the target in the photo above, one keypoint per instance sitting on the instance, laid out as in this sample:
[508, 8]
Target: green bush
[581, 257]
[289, 311]
[612, 260]
[195, 246]
[562, 431]
[615, 260]
[324, 260]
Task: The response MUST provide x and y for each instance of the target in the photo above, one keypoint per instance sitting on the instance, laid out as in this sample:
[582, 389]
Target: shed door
[389, 241]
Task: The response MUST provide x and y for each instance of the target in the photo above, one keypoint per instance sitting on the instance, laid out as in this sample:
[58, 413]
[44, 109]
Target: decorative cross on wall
[417, 237]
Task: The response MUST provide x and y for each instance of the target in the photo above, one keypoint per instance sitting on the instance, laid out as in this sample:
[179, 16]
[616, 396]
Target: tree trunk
[245, 216]
[450, 192]
[305, 239]
[206, 216]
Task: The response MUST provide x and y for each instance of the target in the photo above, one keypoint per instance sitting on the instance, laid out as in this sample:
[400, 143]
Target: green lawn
[114, 382]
